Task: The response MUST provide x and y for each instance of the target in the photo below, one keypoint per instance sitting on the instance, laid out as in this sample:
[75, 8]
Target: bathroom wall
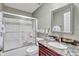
[44, 18]
[0, 7]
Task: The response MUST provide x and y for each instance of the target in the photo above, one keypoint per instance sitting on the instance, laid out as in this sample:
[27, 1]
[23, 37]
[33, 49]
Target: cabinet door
[44, 51]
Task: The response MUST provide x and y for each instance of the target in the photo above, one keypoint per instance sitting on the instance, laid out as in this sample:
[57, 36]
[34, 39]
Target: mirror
[67, 21]
[62, 19]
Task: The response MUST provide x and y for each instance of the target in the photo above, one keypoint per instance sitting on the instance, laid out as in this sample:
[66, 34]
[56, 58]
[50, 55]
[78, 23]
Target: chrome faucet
[59, 37]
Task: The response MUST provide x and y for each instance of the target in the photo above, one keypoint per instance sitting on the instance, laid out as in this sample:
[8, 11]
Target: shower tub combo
[17, 35]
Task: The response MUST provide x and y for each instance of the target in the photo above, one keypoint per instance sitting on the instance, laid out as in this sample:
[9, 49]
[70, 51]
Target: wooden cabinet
[45, 51]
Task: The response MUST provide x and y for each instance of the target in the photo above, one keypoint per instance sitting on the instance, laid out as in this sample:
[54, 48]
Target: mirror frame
[69, 6]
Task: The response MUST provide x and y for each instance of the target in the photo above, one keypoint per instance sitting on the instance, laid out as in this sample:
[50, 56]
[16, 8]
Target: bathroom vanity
[45, 51]
[55, 48]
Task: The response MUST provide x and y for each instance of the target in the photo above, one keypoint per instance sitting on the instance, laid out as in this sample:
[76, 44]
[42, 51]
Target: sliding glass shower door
[19, 32]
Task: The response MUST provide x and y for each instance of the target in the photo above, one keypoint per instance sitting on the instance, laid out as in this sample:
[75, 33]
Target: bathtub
[19, 52]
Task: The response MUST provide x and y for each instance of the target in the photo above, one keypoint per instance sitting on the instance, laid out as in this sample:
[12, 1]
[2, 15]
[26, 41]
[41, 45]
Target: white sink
[38, 39]
[57, 45]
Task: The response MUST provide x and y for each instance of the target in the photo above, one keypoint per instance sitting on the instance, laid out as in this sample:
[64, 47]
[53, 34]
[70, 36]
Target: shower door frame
[34, 21]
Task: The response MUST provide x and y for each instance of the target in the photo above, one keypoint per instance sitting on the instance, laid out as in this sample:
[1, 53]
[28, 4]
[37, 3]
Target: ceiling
[28, 7]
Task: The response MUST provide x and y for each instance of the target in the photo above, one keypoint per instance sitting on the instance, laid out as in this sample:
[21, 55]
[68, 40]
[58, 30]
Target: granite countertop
[70, 51]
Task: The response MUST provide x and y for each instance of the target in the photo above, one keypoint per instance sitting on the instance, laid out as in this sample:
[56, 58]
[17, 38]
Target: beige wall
[43, 14]
[0, 7]
[44, 17]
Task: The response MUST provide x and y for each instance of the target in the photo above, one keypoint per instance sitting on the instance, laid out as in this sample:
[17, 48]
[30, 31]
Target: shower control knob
[2, 28]
[31, 36]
